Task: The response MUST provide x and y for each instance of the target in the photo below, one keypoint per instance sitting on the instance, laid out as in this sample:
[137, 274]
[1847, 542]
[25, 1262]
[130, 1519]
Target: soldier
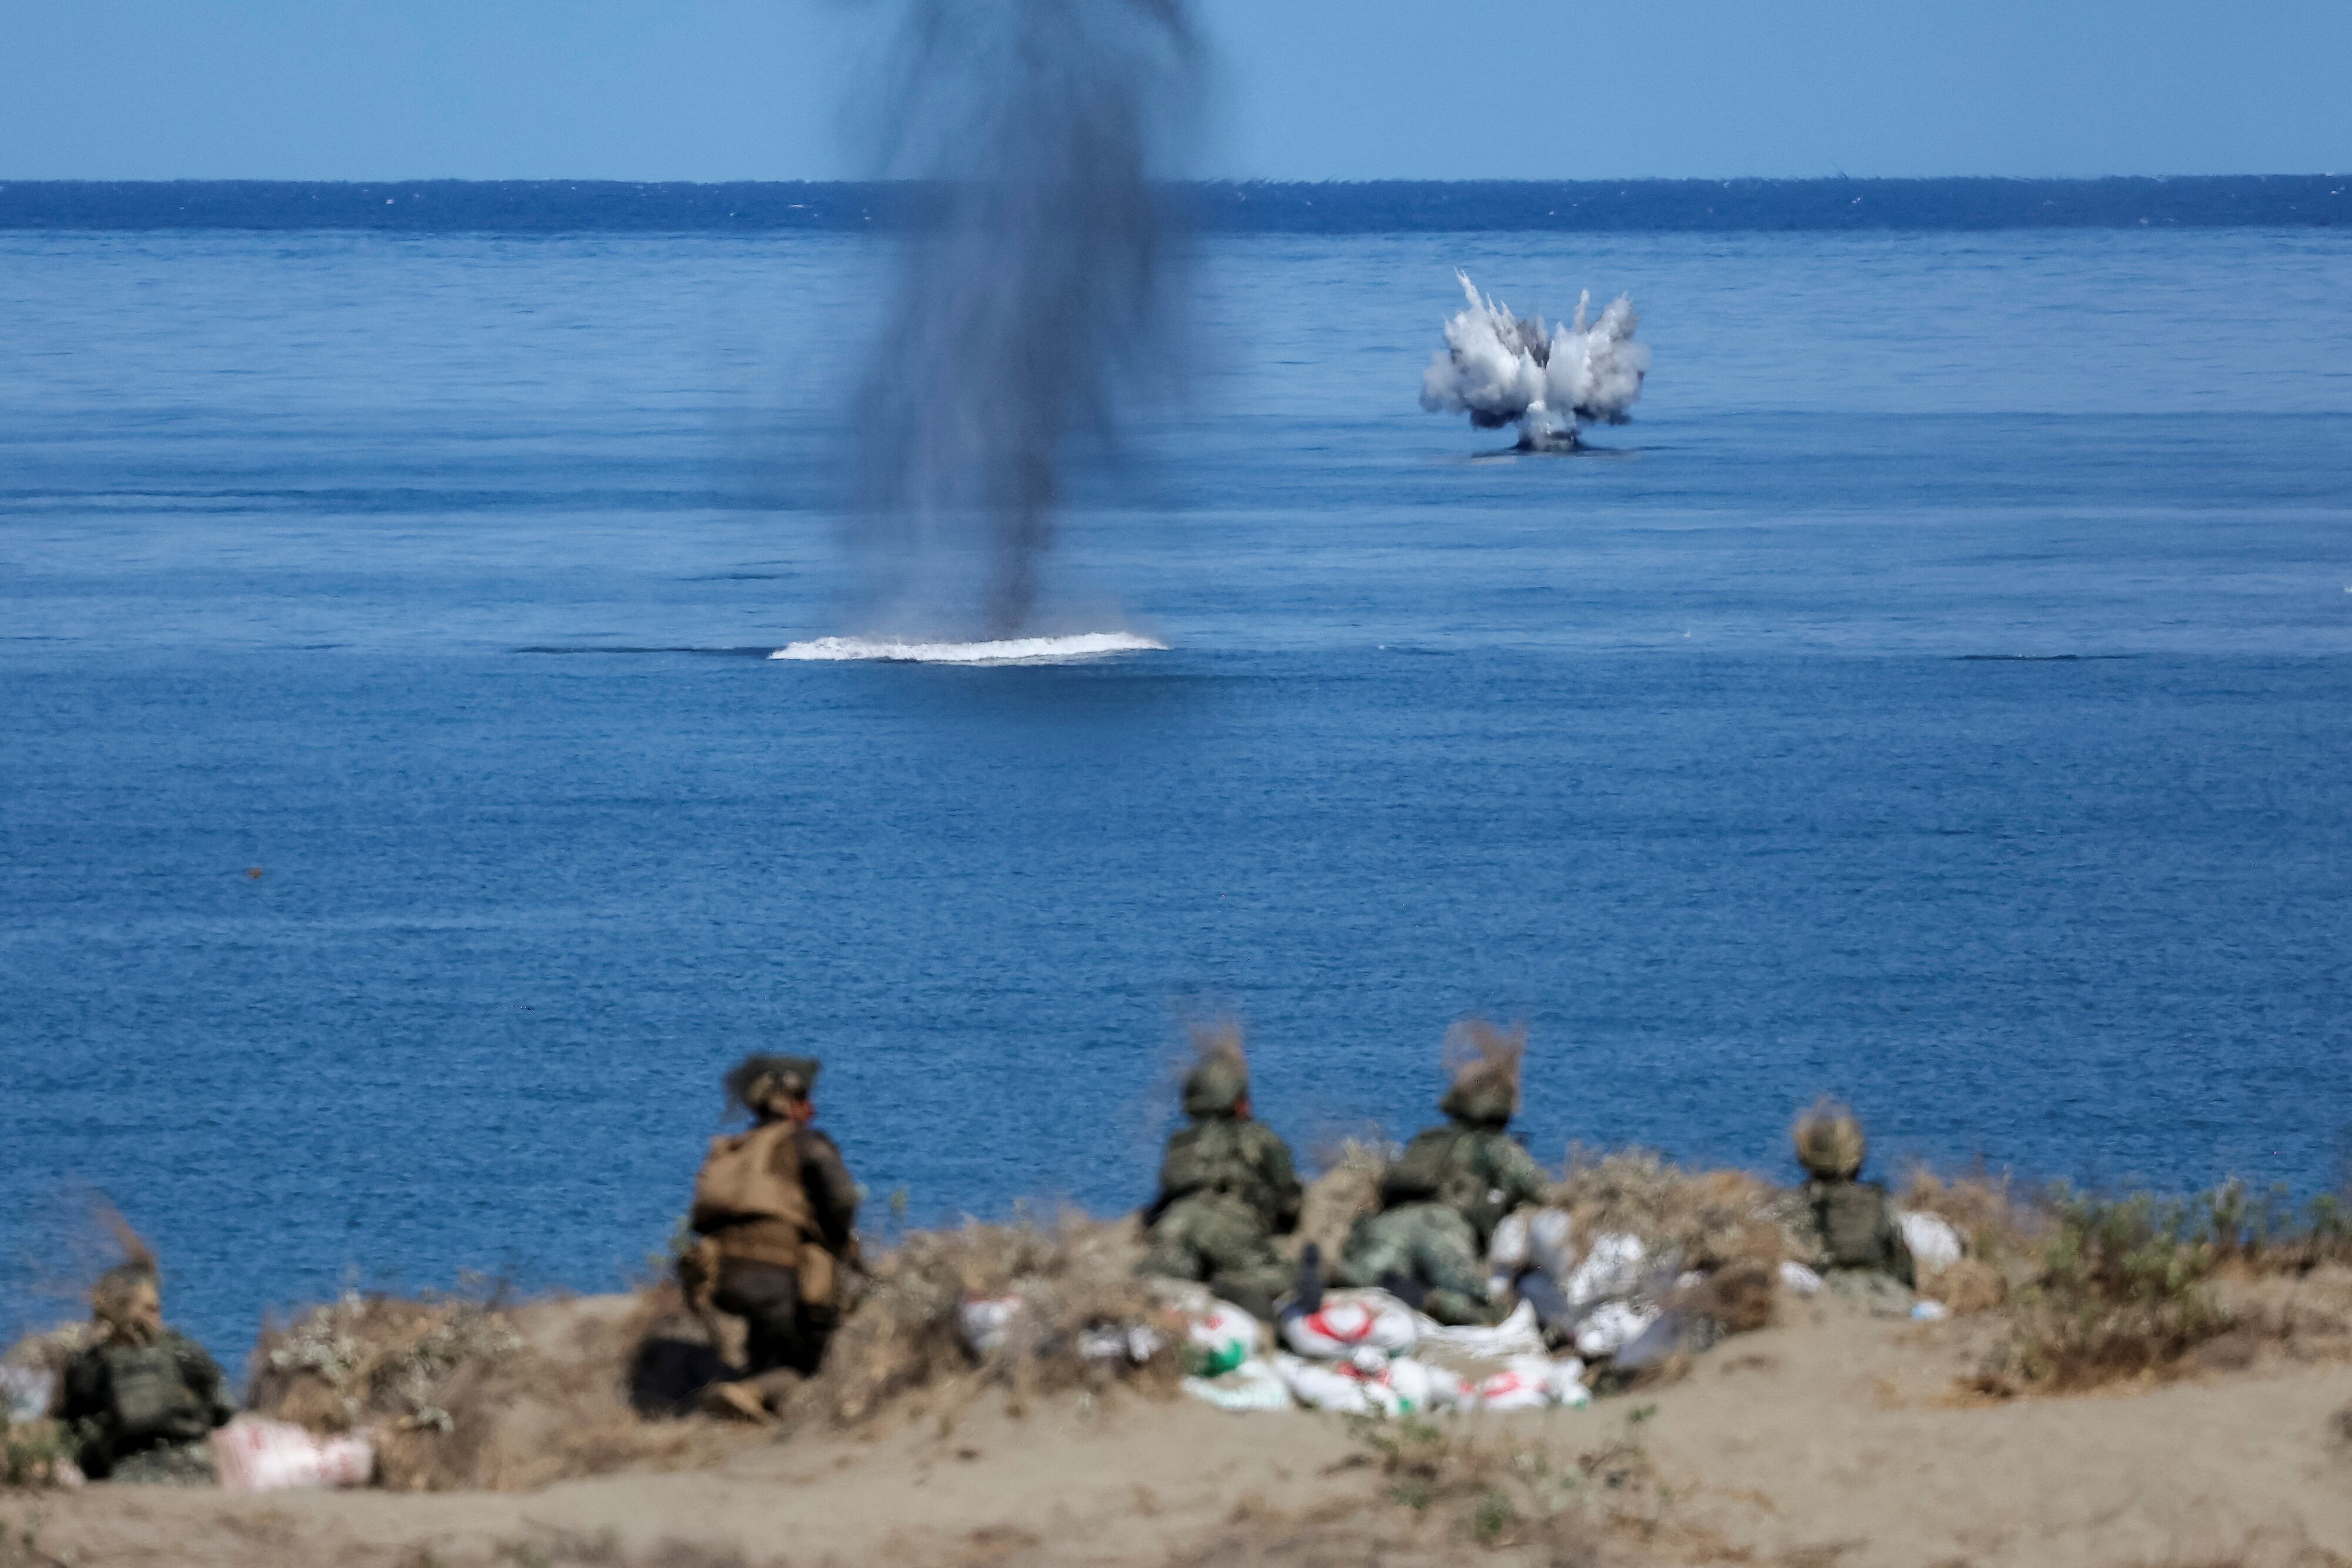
[140, 1400]
[1442, 1197]
[1226, 1189]
[777, 1211]
[1856, 1223]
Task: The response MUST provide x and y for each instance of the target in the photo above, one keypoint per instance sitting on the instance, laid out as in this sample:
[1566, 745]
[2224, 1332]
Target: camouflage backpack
[1440, 1166]
[1216, 1156]
[147, 1396]
[1854, 1223]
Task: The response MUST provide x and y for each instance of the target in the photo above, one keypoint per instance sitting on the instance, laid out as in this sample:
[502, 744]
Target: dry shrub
[467, 1393]
[1709, 1219]
[49, 1350]
[905, 1331]
[1739, 1297]
[2125, 1291]
[1503, 1491]
[1966, 1287]
[1999, 1226]
[36, 1454]
[1348, 1188]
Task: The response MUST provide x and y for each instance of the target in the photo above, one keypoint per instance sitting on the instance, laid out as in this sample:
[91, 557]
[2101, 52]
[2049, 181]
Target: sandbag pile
[1355, 1354]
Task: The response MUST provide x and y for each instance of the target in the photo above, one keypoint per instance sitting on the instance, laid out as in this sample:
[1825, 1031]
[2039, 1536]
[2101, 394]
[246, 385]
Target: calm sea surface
[1939, 695]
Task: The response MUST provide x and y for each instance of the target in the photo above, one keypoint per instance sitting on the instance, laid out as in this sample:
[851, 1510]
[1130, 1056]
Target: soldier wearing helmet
[140, 1398]
[1442, 1197]
[1856, 1222]
[1226, 1189]
[777, 1212]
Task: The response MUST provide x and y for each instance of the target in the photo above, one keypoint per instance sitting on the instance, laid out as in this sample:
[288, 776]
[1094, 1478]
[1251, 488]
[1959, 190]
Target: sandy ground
[1835, 1438]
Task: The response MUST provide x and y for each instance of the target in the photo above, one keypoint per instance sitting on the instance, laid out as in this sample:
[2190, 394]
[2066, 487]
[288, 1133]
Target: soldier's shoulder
[186, 1351]
[1262, 1136]
[817, 1141]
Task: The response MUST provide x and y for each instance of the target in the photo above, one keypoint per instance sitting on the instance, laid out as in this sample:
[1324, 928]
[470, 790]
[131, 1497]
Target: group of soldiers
[775, 1249]
[774, 1220]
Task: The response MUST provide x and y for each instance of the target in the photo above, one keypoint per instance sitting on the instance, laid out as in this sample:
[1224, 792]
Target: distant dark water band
[561, 206]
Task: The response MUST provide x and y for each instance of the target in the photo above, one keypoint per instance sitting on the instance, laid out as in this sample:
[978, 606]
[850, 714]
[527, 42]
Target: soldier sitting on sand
[1226, 1189]
[140, 1400]
[1856, 1222]
[1442, 1197]
[777, 1211]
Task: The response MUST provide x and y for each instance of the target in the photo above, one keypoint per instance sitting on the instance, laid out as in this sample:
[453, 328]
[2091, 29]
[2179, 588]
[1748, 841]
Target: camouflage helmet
[1830, 1142]
[126, 1298]
[1220, 1081]
[1485, 1065]
[756, 1081]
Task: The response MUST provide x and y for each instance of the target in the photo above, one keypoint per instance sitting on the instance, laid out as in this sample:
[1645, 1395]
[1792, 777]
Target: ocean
[1936, 696]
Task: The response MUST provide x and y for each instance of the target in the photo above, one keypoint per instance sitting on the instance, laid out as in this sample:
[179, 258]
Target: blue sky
[710, 89]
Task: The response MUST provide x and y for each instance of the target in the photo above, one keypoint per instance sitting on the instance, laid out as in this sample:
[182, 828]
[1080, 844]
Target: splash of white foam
[1504, 369]
[1007, 651]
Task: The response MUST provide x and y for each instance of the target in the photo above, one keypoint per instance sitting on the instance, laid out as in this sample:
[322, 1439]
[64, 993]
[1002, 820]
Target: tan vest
[749, 1195]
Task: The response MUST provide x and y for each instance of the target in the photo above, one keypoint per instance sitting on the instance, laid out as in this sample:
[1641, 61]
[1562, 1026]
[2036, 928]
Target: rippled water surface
[1939, 695]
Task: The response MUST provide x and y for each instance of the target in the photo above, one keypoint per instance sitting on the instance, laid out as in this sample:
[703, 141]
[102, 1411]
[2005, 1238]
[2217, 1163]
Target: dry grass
[1497, 1490]
[1705, 1219]
[1349, 1187]
[469, 1393]
[904, 1335]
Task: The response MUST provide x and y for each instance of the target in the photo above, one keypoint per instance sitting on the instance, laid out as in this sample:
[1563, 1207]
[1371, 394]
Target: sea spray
[1504, 369]
[1034, 291]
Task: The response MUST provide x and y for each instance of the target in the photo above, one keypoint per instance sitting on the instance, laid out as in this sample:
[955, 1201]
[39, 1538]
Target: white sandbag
[1612, 1326]
[1222, 1338]
[1508, 1250]
[26, 1392]
[1797, 1280]
[987, 1323]
[1533, 1383]
[1254, 1384]
[1349, 1321]
[251, 1455]
[1402, 1386]
[1551, 1242]
[1111, 1344]
[1934, 1242]
[1612, 1268]
[1519, 1334]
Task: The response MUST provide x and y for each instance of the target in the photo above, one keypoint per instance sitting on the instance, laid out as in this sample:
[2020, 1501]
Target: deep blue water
[1937, 695]
[1248, 206]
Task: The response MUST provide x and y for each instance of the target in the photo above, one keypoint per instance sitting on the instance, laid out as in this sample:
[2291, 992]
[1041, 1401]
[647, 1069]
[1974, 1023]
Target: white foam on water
[1007, 651]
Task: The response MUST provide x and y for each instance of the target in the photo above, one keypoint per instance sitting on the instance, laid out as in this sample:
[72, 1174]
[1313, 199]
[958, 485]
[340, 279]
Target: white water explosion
[1503, 369]
[1004, 651]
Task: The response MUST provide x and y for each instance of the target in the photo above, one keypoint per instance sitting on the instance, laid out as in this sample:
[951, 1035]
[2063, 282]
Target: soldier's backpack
[1854, 1224]
[751, 1176]
[148, 1399]
[1440, 1166]
[1213, 1156]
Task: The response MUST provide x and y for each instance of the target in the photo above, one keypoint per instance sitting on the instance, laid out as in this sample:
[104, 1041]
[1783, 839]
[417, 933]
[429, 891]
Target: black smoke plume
[1034, 294]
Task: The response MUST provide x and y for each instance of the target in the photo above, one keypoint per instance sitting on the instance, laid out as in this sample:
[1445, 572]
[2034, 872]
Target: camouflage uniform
[1858, 1228]
[1226, 1189]
[140, 1400]
[1440, 1202]
[1854, 1217]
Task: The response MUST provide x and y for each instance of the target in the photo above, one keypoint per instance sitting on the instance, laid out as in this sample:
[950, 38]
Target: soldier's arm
[204, 1379]
[1522, 1180]
[1282, 1178]
[833, 1195]
[1171, 1178]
